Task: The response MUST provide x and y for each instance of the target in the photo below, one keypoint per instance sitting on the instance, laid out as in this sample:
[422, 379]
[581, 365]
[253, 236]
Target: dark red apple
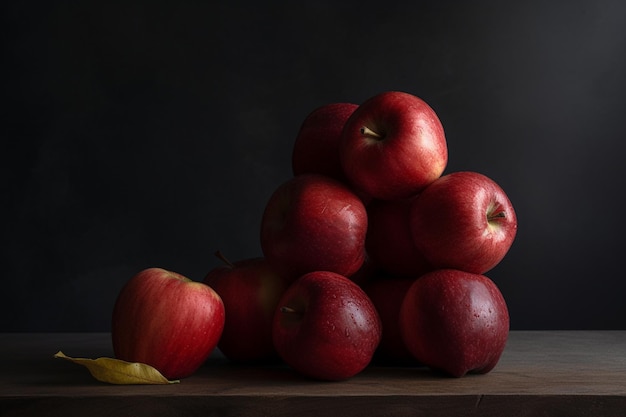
[250, 290]
[463, 220]
[366, 273]
[316, 148]
[314, 223]
[393, 146]
[167, 321]
[326, 327]
[455, 321]
[387, 295]
[389, 241]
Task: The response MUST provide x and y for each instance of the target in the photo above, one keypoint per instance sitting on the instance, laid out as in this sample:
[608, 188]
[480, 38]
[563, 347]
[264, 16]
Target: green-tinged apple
[250, 290]
[326, 327]
[455, 322]
[316, 148]
[389, 241]
[463, 220]
[392, 146]
[165, 320]
[314, 223]
[387, 295]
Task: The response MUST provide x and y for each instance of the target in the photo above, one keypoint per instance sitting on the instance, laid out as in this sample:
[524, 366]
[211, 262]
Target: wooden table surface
[541, 373]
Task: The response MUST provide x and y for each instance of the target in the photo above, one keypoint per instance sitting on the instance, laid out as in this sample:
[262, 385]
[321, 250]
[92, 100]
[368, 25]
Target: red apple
[250, 290]
[389, 241]
[465, 221]
[387, 295]
[316, 149]
[314, 223]
[392, 146]
[367, 272]
[167, 321]
[455, 321]
[326, 327]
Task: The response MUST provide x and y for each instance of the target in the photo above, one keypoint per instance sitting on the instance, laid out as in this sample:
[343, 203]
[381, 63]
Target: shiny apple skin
[451, 224]
[455, 321]
[164, 319]
[333, 329]
[314, 223]
[407, 152]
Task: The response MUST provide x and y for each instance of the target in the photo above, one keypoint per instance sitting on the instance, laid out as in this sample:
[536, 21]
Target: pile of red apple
[370, 253]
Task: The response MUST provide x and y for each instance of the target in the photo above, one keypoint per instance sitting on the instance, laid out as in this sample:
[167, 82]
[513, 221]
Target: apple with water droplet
[455, 321]
[326, 327]
[314, 223]
[392, 146]
[463, 220]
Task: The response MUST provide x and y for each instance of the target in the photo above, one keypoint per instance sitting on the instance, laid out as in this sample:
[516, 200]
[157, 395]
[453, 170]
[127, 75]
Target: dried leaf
[116, 371]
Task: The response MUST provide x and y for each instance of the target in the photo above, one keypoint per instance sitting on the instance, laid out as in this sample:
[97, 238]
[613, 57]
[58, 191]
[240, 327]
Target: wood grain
[547, 373]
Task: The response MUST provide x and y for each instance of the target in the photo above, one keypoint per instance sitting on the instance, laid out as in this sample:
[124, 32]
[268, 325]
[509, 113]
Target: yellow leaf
[116, 371]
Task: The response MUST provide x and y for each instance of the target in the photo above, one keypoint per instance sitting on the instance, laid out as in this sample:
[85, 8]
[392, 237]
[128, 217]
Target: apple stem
[366, 131]
[223, 258]
[498, 215]
[289, 310]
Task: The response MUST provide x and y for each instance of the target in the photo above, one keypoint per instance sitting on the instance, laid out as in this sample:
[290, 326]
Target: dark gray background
[152, 134]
